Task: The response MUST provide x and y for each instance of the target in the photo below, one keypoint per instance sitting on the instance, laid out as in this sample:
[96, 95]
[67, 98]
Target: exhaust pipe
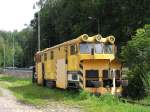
[111, 39]
[84, 37]
[98, 37]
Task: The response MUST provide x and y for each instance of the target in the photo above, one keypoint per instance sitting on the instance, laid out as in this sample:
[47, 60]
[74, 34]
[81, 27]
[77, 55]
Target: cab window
[108, 49]
[105, 74]
[86, 48]
[99, 48]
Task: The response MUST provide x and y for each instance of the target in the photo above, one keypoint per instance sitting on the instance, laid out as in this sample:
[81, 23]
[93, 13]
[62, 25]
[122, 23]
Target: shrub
[136, 55]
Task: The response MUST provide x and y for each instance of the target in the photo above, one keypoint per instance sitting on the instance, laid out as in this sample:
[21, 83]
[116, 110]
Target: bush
[138, 82]
[136, 55]
[83, 95]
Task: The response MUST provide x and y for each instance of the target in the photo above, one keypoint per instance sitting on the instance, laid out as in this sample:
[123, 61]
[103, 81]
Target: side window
[52, 55]
[118, 74]
[92, 74]
[105, 74]
[73, 49]
[45, 56]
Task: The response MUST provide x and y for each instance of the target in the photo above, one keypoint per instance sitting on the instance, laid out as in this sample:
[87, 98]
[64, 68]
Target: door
[39, 73]
[61, 78]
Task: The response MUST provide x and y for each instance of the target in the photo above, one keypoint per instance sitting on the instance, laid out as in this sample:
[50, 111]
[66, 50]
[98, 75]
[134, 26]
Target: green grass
[30, 93]
[146, 100]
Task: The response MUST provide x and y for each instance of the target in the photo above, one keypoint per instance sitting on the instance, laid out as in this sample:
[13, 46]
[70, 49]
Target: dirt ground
[8, 103]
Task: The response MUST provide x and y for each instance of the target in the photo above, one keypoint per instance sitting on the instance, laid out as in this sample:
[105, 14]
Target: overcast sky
[15, 13]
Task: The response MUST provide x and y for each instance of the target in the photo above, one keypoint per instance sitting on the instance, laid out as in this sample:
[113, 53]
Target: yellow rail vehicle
[85, 62]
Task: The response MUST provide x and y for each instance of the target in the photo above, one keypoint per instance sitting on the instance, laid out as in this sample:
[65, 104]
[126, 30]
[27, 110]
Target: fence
[19, 72]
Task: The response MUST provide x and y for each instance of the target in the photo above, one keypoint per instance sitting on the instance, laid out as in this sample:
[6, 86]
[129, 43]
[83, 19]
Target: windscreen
[86, 48]
[108, 49]
[99, 48]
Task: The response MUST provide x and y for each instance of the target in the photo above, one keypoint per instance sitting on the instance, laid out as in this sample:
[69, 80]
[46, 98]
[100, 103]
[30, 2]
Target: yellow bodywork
[39, 73]
[100, 65]
[58, 64]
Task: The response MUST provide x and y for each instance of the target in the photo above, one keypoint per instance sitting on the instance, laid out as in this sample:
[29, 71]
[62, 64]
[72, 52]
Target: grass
[30, 93]
[146, 100]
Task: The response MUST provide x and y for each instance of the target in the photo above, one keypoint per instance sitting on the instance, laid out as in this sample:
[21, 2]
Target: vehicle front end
[100, 70]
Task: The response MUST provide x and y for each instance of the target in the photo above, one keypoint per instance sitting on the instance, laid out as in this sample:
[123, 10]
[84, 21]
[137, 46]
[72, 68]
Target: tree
[63, 20]
[1, 50]
[136, 55]
[27, 45]
[6, 40]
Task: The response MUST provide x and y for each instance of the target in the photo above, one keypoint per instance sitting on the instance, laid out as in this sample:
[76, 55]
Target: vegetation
[7, 50]
[136, 55]
[117, 17]
[28, 93]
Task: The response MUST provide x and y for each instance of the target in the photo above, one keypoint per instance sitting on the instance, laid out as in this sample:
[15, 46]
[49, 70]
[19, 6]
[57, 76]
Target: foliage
[27, 93]
[1, 50]
[62, 20]
[136, 56]
[24, 52]
[6, 46]
[26, 42]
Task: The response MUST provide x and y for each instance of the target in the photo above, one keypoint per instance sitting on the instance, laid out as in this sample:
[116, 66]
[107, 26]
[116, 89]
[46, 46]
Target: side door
[61, 77]
[61, 69]
[39, 73]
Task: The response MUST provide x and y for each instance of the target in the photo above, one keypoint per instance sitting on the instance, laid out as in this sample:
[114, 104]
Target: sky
[14, 14]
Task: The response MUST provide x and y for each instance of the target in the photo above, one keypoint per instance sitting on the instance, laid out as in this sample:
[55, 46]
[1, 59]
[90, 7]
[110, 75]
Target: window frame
[106, 47]
[102, 44]
[116, 72]
[92, 44]
[52, 55]
[108, 75]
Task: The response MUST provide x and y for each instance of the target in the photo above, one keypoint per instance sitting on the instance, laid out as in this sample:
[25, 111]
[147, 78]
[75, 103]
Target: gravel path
[8, 103]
